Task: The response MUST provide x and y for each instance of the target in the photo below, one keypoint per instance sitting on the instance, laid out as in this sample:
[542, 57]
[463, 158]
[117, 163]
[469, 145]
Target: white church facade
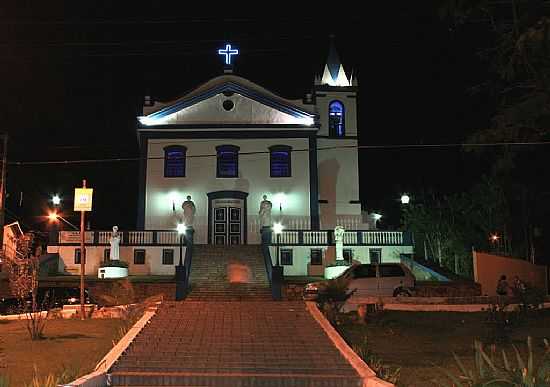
[229, 142]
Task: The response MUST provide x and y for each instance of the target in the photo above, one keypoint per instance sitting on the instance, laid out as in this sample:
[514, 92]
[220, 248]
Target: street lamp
[56, 200]
[405, 199]
[54, 216]
[277, 229]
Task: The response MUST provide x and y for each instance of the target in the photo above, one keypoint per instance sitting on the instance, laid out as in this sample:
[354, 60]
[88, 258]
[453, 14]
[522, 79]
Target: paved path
[233, 344]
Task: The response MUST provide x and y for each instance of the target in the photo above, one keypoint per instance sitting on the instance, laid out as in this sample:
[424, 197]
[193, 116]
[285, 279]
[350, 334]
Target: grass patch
[418, 342]
[69, 345]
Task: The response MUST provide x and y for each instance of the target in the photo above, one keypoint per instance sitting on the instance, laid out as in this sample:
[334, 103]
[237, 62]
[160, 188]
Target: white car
[384, 279]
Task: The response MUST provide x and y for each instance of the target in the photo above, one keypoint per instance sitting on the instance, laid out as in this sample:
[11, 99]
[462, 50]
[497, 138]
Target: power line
[266, 152]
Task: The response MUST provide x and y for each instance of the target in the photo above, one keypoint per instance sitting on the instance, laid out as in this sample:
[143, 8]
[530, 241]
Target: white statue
[339, 239]
[265, 212]
[189, 212]
[114, 254]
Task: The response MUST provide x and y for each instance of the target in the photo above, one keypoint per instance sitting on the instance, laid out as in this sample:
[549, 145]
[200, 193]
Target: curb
[98, 378]
[365, 372]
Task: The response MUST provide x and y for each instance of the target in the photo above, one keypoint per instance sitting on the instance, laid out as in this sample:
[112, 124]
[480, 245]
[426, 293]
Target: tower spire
[334, 74]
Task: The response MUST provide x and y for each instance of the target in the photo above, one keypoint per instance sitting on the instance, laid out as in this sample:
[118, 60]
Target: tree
[23, 270]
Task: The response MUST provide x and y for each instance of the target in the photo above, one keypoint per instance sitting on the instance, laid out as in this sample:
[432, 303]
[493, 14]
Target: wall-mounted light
[405, 199]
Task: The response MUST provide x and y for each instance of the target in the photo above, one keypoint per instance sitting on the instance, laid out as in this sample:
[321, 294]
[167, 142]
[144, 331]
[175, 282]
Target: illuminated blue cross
[228, 52]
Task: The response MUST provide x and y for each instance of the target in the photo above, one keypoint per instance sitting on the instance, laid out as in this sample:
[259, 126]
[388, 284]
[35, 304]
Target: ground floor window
[316, 257]
[77, 256]
[106, 255]
[286, 257]
[375, 255]
[167, 256]
[348, 256]
[139, 257]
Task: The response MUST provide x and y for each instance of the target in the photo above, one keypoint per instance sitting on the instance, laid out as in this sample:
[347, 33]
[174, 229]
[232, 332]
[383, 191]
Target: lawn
[69, 344]
[415, 341]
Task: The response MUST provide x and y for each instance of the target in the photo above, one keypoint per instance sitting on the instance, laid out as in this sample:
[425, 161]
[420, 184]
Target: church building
[224, 146]
[230, 141]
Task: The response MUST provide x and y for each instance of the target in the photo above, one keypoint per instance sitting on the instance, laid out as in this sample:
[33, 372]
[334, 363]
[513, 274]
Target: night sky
[73, 81]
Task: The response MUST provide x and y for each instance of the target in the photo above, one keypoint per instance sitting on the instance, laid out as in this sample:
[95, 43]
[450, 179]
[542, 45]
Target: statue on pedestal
[114, 254]
[265, 212]
[189, 210]
[339, 239]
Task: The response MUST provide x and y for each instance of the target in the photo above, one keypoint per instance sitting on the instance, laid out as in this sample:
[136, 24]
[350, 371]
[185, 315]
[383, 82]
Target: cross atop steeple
[228, 51]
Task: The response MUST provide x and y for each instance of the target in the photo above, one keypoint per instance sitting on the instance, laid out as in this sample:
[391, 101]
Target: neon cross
[228, 52]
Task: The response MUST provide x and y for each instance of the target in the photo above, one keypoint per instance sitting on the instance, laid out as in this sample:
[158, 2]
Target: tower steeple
[334, 74]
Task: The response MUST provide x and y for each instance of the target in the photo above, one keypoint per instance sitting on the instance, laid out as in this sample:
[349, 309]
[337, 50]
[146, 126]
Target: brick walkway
[233, 344]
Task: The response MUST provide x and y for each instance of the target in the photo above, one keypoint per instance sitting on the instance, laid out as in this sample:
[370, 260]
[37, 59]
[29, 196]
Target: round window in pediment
[228, 105]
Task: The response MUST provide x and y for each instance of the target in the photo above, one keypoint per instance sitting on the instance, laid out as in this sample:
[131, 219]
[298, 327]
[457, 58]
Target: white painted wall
[301, 256]
[94, 256]
[254, 178]
[338, 181]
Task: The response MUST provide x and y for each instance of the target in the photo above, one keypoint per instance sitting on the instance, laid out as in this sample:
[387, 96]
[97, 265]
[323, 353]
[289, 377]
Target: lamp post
[181, 278]
[181, 232]
[277, 229]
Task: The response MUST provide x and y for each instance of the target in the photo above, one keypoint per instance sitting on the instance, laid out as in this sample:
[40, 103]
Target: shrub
[121, 292]
[488, 372]
[332, 297]
[383, 371]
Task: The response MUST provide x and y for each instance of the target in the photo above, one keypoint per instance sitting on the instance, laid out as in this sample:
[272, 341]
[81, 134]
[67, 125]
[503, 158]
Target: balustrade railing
[286, 238]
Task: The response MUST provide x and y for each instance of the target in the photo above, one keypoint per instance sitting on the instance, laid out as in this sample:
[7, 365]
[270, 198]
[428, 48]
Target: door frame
[228, 195]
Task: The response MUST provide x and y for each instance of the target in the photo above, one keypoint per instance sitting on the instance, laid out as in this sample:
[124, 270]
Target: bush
[383, 371]
[332, 297]
[488, 372]
[121, 292]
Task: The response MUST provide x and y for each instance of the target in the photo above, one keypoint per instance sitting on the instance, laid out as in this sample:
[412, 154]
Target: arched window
[227, 161]
[336, 114]
[174, 161]
[280, 161]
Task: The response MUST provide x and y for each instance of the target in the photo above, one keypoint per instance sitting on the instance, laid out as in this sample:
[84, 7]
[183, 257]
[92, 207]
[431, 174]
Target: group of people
[504, 289]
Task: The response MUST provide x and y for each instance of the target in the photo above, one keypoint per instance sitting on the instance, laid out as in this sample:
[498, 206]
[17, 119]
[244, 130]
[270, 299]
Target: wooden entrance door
[227, 226]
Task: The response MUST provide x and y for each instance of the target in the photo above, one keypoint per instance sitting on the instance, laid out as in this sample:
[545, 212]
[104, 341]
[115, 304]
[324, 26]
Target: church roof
[235, 84]
[334, 74]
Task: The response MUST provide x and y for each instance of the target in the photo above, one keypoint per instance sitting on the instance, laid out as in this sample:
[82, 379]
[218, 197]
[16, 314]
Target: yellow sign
[83, 199]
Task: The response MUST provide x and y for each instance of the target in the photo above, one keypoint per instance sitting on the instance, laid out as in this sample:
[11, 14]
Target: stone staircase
[228, 273]
[233, 344]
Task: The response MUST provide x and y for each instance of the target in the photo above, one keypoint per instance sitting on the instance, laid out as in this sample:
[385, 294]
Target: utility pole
[3, 154]
[82, 257]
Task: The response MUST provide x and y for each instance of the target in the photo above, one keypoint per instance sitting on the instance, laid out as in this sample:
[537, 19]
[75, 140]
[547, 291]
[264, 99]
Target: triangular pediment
[229, 100]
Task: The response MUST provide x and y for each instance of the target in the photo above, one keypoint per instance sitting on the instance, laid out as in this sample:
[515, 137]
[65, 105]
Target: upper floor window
[280, 157]
[227, 161]
[174, 161]
[336, 114]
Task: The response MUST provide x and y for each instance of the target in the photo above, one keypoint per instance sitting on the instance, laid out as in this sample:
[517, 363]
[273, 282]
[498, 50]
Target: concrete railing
[352, 238]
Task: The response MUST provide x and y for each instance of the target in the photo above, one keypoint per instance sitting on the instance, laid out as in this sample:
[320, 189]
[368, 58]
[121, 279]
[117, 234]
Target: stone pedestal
[112, 272]
[334, 271]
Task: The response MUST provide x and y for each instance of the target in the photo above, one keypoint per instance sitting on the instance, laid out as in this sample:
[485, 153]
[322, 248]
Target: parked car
[384, 279]
[46, 298]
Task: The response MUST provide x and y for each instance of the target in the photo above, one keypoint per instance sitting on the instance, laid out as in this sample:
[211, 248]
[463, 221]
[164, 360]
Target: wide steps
[230, 344]
[228, 273]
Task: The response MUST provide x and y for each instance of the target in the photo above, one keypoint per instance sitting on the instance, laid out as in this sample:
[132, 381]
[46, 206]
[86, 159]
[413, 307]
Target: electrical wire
[266, 152]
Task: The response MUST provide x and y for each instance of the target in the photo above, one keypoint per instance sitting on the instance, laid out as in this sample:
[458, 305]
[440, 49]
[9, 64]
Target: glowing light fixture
[56, 200]
[494, 237]
[405, 199]
[278, 228]
[228, 52]
[376, 216]
[181, 228]
[52, 216]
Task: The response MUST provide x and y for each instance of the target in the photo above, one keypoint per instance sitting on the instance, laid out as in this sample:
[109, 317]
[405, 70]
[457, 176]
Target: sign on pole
[83, 199]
